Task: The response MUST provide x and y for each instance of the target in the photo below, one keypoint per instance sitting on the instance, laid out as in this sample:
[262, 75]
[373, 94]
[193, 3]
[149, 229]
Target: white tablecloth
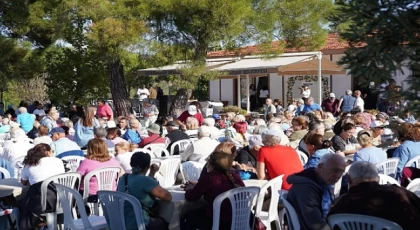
[13, 187]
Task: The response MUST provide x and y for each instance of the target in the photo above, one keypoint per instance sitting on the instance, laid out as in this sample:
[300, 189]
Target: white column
[248, 105]
[239, 90]
[319, 56]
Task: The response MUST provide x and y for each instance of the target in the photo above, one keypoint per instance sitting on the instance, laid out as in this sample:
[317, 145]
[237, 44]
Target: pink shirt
[87, 166]
[104, 111]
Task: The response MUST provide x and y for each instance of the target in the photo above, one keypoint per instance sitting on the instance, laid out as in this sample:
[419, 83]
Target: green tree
[200, 25]
[383, 38]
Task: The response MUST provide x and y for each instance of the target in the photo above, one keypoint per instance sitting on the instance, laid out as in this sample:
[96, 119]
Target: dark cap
[56, 130]
[172, 124]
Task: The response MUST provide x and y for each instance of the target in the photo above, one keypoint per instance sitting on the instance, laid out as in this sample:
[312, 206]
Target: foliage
[30, 90]
[384, 38]
[234, 109]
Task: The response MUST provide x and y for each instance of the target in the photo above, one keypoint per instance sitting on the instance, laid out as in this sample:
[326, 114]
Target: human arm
[110, 113]
[24, 176]
[198, 190]
[261, 171]
[402, 153]
[161, 193]
[339, 104]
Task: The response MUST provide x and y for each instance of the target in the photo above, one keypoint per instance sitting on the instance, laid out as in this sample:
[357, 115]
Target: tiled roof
[333, 43]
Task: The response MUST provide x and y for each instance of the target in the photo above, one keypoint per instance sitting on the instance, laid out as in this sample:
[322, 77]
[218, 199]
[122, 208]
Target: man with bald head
[367, 197]
[312, 193]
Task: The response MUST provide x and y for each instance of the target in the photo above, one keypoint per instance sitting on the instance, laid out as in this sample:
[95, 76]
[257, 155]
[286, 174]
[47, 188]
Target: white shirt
[63, 145]
[199, 149]
[39, 112]
[44, 139]
[360, 103]
[306, 93]
[16, 149]
[143, 93]
[263, 93]
[292, 108]
[124, 159]
[47, 167]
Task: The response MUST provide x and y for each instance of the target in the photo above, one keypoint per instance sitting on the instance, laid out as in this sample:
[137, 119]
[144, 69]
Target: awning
[310, 67]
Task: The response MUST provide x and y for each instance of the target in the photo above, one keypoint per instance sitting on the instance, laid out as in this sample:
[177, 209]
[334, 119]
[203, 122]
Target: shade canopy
[310, 67]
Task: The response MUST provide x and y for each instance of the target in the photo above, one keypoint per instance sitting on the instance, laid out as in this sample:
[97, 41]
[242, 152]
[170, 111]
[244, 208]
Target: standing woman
[84, 127]
[253, 97]
[263, 95]
[150, 112]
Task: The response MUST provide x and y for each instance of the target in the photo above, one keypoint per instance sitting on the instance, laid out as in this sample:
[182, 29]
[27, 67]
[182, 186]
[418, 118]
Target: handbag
[258, 225]
[153, 211]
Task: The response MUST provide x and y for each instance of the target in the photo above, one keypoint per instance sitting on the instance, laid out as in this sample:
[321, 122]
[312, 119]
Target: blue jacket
[132, 136]
[405, 152]
[313, 161]
[84, 134]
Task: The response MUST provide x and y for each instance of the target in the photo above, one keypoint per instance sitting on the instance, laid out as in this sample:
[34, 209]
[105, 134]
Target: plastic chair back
[73, 162]
[191, 170]
[17, 166]
[275, 186]
[302, 156]
[292, 217]
[182, 146]
[157, 149]
[337, 186]
[113, 205]
[111, 152]
[152, 155]
[168, 169]
[167, 142]
[413, 162]
[361, 222]
[5, 173]
[414, 186]
[385, 180]
[71, 153]
[388, 167]
[241, 201]
[105, 178]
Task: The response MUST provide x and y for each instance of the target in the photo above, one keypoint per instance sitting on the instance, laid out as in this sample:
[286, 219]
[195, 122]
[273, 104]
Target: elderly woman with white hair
[51, 119]
[5, 128]
[201, 148]
[347, 102]
[210, 122]
[369, 152]
[17, 146]
[25, 119]
[274, 159]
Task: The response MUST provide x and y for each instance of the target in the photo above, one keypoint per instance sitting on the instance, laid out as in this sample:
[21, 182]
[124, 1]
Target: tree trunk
[119, 92]
[179, 102]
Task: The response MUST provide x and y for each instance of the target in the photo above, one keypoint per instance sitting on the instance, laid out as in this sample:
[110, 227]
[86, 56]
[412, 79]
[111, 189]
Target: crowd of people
[336, 134]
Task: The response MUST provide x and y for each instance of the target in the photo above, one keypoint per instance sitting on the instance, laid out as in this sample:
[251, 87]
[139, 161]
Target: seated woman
[132, 135]
[40, 164]
[114, 134]
[218, 179]
[192, 127]
[97, 157]
[369, 152]
[84, 127]
[317, 147]
[238, 134]
[300, 128]
[146, 189]
[123, 153]
[43, 136]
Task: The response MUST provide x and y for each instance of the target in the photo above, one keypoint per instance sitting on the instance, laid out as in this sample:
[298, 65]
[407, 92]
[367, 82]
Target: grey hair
[348, 92]
[5, 121]
[259, 122]
[314, 125]
[275, 126]
[209, 122]
[17, 133]
[239, 118]
[204, 131]
[99, 132]
[23, 109]
[328, 125]
[271, 140]
[260, 129]
[329, 157]
[363, 171]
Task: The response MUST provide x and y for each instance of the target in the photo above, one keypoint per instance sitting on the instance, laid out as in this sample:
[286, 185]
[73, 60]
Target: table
[173, 211]
[12, 186]
[255, 183]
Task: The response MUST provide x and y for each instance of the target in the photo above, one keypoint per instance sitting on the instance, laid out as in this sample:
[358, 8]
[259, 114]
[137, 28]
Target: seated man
[311, 193]
[60, 142]
[201, 148]
[174, 135]
[132, 135]
[154, 136]
[367, 197]
[101, 133]
[191, 112]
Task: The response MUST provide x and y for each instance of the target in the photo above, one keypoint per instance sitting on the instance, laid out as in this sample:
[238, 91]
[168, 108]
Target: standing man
[143, 93]
[270, 108]
[152, 95]
[311, 106]
[331, 104]
[104, 110]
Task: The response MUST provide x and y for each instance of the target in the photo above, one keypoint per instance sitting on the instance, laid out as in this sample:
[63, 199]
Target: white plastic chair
[73, 162]
[66, 196]
[168, 169]
[361, 222]
[191, 170]
[17, 165]
[337, 186]
[302, 156]
[71, 180]
[111, 152]
[157, 149]
[167, 142]
[385, 180]
[113, 205]
[414, 186]
[272, 214]
[5, 173]
[152, 154]
[105, 177]
[241, 201]
[292, 217]
[182, 146]
[413, 162]
[388, 167]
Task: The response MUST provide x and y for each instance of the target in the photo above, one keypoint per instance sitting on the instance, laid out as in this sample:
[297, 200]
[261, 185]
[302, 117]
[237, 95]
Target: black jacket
[305, 196]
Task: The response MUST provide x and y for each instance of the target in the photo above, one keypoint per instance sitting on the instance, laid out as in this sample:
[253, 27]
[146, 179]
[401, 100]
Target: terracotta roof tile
[333, 43]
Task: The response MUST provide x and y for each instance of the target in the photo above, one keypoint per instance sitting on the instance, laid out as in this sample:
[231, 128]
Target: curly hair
[226, 147]
[113, 133]
[301, 121]
[222, 162]
[35, 154]
[414, 133]
[403, 131]
[97, 150]
[43, 130]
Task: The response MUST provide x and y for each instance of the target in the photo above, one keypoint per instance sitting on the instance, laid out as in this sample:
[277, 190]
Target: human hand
[154, 168]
